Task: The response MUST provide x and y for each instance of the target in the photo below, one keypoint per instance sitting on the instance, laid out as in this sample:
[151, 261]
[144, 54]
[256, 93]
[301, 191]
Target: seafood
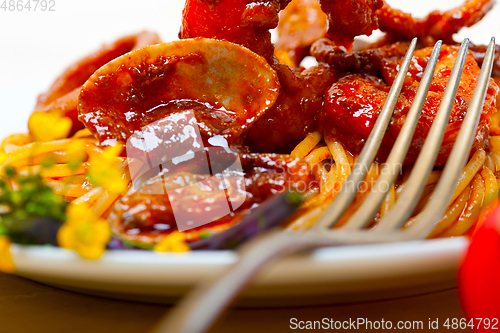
[295, 113]
[244, 22]
[352, 104]
[301, 92]
[198, 74]
[226, 72]
[302, 22]
[437, 25]
[62, 96]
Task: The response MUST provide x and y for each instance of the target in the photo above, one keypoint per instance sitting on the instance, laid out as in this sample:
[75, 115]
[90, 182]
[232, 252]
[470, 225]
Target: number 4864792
[28, 5]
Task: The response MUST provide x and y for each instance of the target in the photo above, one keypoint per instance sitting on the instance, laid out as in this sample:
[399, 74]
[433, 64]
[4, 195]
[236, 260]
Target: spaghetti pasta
[477, 189]
[28, 157]
[476, 193]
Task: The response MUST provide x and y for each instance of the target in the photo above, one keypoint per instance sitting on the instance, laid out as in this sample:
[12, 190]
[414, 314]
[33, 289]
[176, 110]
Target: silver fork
[199, 310]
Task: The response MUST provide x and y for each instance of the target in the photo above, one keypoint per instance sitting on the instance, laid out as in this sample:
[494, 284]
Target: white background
[35, 47]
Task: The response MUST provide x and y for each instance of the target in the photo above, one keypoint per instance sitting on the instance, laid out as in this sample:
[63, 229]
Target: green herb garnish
[24, 197]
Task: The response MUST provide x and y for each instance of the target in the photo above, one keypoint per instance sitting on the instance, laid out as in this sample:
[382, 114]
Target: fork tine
[458, 157]
[423, 166]
[198, 311]
[392, 167]
[370, 149]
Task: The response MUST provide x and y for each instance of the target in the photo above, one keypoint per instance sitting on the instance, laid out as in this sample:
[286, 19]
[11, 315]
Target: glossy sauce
[244, 22]
[204, 76]
[353, 103]
[145, 217]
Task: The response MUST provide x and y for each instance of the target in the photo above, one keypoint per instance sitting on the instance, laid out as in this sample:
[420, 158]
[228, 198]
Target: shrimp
[437, 25]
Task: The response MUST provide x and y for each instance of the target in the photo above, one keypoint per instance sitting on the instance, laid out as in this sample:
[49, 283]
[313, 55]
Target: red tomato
[479, 276]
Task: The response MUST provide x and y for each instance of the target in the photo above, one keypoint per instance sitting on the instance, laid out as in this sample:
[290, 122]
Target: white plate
[331, 275]
[41, 44]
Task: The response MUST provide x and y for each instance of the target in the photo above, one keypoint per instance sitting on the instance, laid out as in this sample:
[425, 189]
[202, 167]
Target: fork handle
[200, 309]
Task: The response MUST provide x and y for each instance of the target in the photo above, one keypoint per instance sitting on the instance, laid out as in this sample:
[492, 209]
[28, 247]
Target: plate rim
[341, 274]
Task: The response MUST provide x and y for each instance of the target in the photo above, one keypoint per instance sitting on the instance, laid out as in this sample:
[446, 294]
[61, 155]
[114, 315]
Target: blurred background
[36, 46]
